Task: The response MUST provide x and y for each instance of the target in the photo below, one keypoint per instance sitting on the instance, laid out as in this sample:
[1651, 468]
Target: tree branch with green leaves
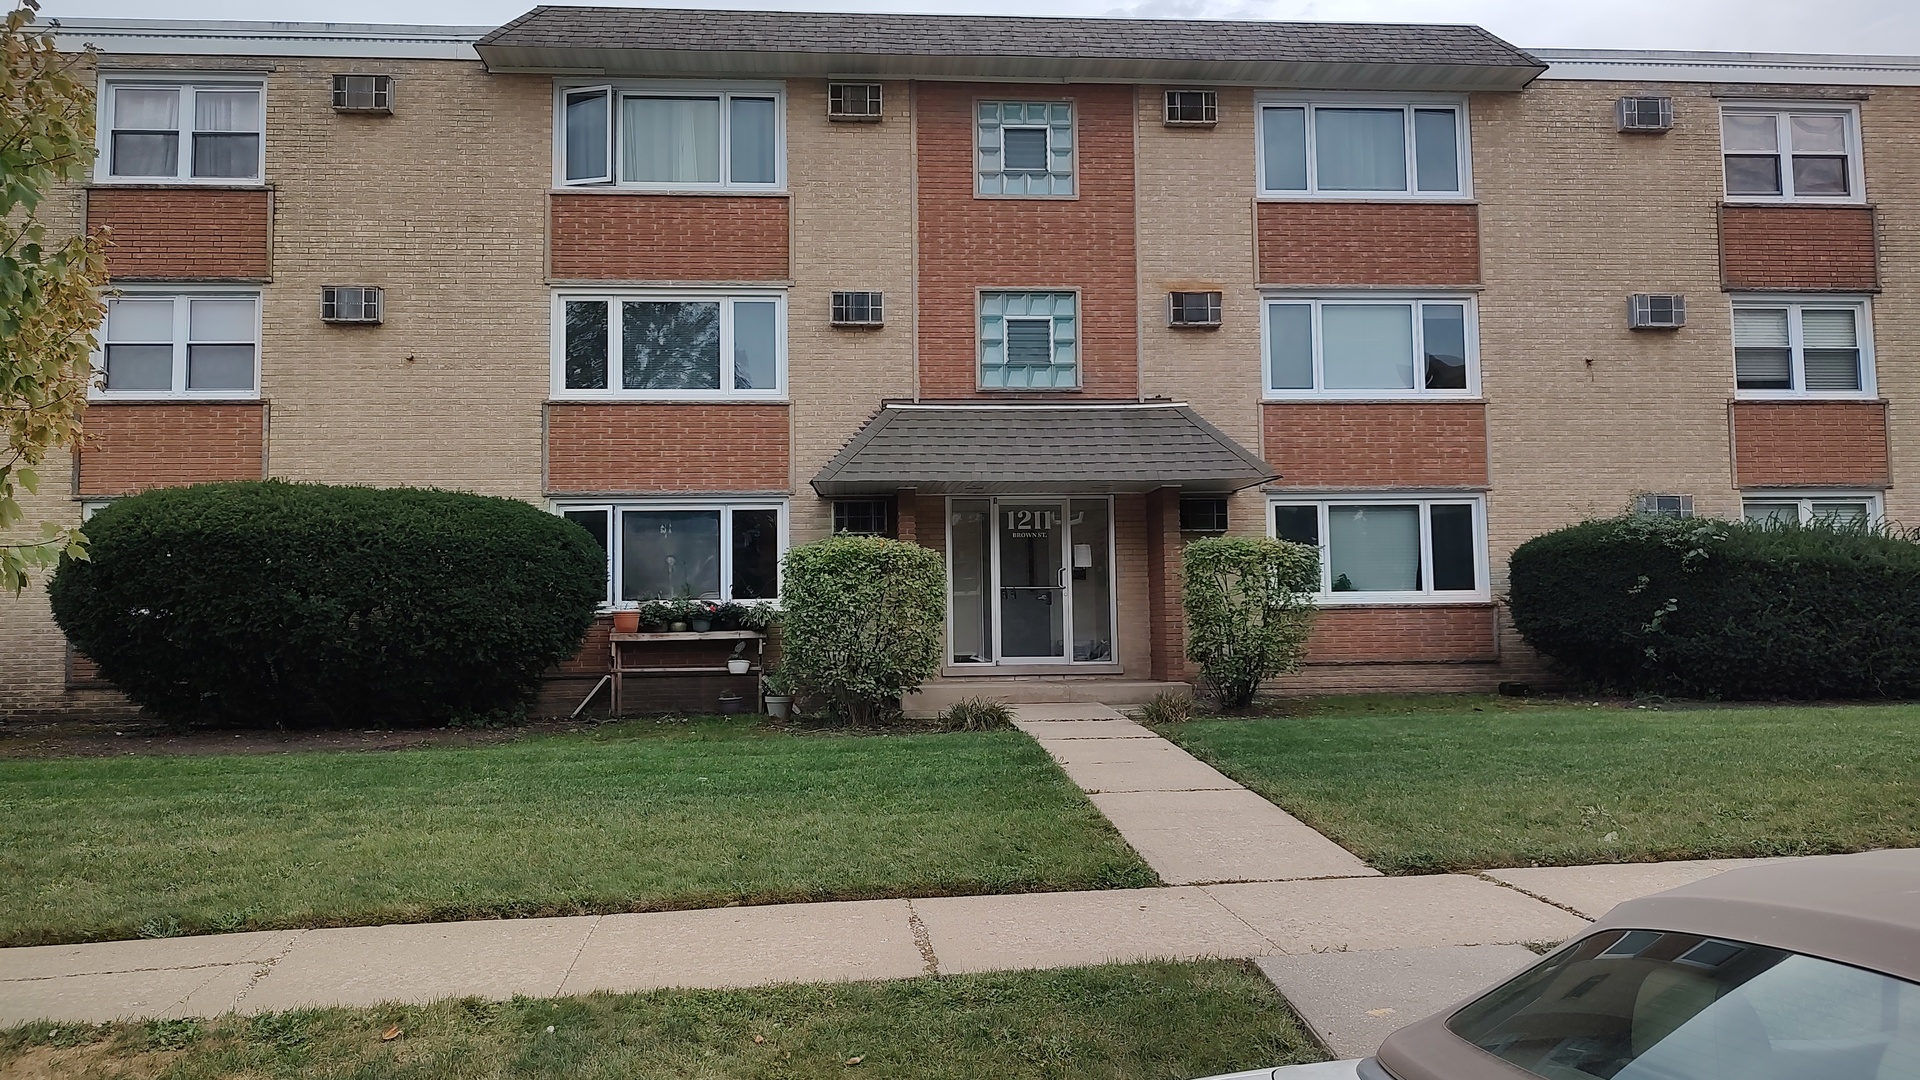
[50, 304]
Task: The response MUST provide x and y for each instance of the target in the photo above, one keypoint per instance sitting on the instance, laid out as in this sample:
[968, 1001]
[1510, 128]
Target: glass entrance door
[1032, 568]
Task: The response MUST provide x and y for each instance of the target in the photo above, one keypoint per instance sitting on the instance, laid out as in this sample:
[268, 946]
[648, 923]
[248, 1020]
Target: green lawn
[1427, 785]
[631, 817]
[1146, 1021]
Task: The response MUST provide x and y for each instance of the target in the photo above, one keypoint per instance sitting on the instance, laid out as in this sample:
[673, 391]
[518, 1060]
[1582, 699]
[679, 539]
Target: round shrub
[862, 622]
[1706, 608]
[308, 605]
[1249, 605]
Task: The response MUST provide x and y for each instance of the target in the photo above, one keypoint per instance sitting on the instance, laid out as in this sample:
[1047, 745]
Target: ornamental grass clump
[1249, 604]
[862, 622]
[1695, 607]
[307, 605]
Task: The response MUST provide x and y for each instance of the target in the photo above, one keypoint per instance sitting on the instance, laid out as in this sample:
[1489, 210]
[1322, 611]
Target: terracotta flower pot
[626, 622]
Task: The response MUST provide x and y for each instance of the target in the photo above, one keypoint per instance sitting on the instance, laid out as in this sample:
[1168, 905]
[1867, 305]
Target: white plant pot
[739, 667]
[779, 705]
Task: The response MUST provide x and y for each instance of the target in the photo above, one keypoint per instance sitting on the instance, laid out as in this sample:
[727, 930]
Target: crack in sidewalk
[922, 940]
[1549, 901]
[266, 968]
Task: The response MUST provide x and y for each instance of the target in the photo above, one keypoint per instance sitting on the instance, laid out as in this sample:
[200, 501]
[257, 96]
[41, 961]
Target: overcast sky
[1847, 26]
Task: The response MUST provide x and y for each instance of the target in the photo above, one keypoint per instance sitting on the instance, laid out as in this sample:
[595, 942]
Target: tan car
[1806, 970]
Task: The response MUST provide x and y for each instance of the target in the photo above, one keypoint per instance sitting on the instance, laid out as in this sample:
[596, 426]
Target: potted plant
[626, 620]
[732, 704]
[700, 616]
[657, 615]
[779, 696]
[738, 664]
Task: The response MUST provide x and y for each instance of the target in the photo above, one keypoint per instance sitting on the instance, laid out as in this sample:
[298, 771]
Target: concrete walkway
[1357, 953]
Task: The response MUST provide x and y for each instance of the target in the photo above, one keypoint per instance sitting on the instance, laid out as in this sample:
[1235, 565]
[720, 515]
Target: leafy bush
[304, 604]
[977, 714]
[1167, 707]
[862, 622]
[1706, 608]
[1249, 605]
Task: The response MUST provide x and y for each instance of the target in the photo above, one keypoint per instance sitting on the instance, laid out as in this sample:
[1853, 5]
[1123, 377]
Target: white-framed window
[697, 549]
[676, 136]
[1390, 549]
[1364, 148]
[1775, 153]
[179, 342]
[1024, 148]
[684, 345]
[1371, 346]
[1842, 508]
[1029, 340]
[1802, 348]
[204, 129]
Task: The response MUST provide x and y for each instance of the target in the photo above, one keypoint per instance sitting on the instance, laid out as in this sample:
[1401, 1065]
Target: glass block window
[1029, 341]
[1025, 148]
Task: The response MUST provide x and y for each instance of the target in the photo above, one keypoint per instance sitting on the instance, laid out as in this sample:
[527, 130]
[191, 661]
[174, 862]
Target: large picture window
[1811, 348]
[1371, 347]
[671, 137]
[668, 346]
[165, 131]
[1363, 148]
[1382, 549]
[179, 345]
[659, 550]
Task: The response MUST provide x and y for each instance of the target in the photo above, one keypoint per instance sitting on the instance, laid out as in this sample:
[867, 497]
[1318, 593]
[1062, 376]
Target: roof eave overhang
[764, 64]
[855, 488]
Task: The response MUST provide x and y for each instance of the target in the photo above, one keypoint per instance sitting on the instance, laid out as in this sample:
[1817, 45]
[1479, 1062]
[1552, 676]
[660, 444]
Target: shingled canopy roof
[772, 44]
[1040, 449]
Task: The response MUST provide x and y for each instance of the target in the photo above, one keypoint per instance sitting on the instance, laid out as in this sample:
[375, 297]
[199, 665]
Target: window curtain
[755, 343]
[1290, 346]
[1361, 149]
[1283, 137]
[666, 554]
[1831, 357]
[226, 133]
[670, 140]
[753, 137]
[146, 132]
[1374, 548]
[587, 136]
[1762, 359]
[1367, 346]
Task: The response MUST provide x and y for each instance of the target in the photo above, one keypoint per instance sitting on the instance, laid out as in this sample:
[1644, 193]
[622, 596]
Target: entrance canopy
[1022, 449]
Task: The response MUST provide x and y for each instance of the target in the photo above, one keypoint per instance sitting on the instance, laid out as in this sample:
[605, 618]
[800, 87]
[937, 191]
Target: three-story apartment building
[1049, 295]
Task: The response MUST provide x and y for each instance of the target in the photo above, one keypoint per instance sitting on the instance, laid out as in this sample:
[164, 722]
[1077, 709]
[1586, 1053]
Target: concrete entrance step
[934, 697]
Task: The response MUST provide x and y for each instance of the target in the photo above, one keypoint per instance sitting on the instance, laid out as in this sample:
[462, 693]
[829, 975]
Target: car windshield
[1651, 1005]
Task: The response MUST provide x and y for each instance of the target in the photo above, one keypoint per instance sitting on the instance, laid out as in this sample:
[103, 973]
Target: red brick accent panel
[183, 232]
[608, 448]
[969, 243]
[1810, 444]
[1366, 243]
[1166, 618]
[1402, 634]
[669, 237]
[1798, 247]
[906, 516]
[130, 448]
[1331, 444]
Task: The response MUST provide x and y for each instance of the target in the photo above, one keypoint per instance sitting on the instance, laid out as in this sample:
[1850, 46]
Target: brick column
[906, 515]
[1167, 622]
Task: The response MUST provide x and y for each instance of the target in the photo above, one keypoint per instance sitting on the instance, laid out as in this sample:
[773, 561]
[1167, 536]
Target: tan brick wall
[1585, 413]
[1890, 123]
[968, 243]
[130, 448]
[1377, 444]
[1810, 444]
[617, 236]
[191, 233]
[444, 205]
[1402, 634]
[853, 216]
[620, 448]
[1368, 243]
[1798, 247]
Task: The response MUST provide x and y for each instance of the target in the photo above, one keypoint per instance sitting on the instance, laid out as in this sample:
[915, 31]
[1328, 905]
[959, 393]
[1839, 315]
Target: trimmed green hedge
[1706, 608]
[309, 605]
